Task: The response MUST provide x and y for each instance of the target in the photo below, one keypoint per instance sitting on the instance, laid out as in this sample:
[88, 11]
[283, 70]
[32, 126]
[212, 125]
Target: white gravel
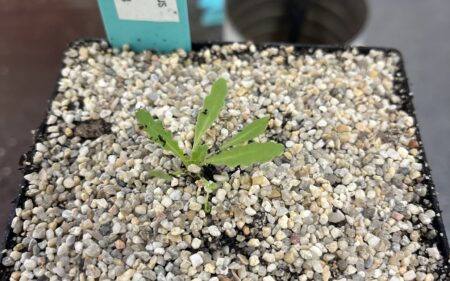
[344, 202]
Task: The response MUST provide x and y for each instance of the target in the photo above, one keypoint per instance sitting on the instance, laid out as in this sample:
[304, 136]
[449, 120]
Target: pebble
[141, 210]
[332, 247]
[280, 235]
[196, 243]
[127, 275]
[372, 240]
[196, 260]
[250, 211]
[322, 123]
[63, 250]
[29, 264]
[214, 231]
[434, 253]
[119, 244]
[166, 202]
[221, 195]
[268, 257]
[291, 256]
[409, 275]
[427, 217]
[253, 243]
[316, 252]
[93, 250]
[69, 182]
[194, 169]
[176, 195]
[39, 233]
[283, 222]
[260, 180]
[336, 217]
[253, 260]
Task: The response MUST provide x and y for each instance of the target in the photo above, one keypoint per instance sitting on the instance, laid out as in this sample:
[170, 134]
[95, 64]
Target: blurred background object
[212, 12]
[33, 35]
[295, 21]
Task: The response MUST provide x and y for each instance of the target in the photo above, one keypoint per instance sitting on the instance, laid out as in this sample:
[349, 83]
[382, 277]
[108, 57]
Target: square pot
[404, 102]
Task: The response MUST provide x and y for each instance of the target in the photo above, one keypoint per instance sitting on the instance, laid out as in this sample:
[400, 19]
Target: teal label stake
[161, 25]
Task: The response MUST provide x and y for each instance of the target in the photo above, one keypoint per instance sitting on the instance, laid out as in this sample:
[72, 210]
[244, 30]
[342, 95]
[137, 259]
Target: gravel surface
[344, 202]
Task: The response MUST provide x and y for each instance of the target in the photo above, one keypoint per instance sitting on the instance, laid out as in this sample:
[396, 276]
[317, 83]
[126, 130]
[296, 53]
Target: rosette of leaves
[234, 152]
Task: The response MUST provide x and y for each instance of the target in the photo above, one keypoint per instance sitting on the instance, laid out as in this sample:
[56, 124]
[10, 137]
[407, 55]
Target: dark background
[33, 35]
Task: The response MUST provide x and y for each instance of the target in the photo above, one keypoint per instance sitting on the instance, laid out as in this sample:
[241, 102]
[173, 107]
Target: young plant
[234, 152]
[209, 187]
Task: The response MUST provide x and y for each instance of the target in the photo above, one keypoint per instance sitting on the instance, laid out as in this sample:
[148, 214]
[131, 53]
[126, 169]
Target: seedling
[234, 152]
[209, 187]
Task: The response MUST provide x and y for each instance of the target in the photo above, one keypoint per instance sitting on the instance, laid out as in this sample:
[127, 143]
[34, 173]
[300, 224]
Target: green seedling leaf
[249, 132]
[158, 134]
[246, 155]
[211, 109]
[209, 186]
[160, 174]
[199, 154]
[178, 173]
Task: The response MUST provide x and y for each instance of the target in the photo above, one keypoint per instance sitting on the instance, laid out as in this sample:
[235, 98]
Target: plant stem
[206, 206]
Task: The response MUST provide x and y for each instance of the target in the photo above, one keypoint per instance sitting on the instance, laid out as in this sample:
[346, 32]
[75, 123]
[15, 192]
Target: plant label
[161, 25]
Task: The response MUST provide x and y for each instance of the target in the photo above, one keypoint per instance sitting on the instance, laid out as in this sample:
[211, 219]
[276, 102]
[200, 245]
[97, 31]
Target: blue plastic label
[161, 25]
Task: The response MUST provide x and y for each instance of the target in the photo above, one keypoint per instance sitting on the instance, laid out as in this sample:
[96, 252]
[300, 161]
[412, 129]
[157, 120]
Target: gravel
[344, 202]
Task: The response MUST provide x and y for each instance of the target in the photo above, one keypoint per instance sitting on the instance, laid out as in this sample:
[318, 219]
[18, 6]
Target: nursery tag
[161, 25]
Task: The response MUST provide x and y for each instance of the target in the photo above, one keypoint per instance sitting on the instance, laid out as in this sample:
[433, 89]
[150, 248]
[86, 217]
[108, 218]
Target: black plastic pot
[401, 89]
[296, 21]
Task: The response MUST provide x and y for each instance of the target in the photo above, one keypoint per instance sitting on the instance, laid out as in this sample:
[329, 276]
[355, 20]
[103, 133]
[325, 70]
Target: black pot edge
[401, 88]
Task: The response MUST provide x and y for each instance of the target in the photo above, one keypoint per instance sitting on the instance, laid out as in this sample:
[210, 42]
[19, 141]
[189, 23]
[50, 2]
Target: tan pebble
[296, 148]
[279, 255]
[245, 180]
[344, 137]
[52, 225]
[373, 73]
[241, 92]
[413, 144]
[280, 235]
[254, 260]
[151, 264]
[19, 247]
[260, 180]
[120, 245]
[223, 278]
[84, 196]
[326, 274]
[15, 275]
[291, 256]
[68, 132]
[343, 128]
[83, 53]
[210, 268]
[402, 270]
[194, 206]
[415, 236]
[360, 126]
[397, 216]
[274, 194]
[358, 92]
[243, 259]
[266, 232]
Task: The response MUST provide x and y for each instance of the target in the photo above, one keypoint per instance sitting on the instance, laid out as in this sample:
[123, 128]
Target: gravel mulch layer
[346, 201]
